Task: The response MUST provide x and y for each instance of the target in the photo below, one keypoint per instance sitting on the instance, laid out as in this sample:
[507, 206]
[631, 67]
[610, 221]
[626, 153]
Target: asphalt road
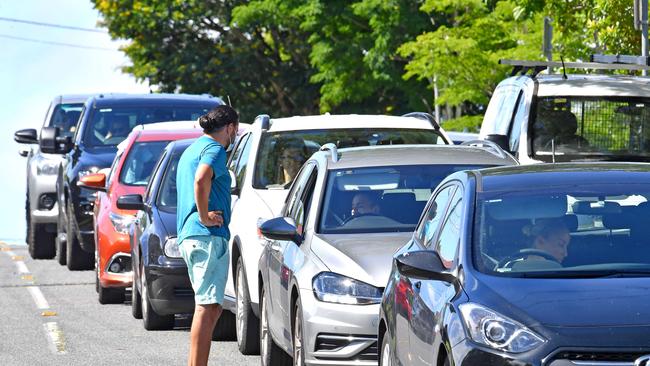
[51, 316]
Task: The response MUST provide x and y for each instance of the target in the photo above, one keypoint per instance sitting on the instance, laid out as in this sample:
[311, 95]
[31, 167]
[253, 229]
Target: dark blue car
[527, 265]
[161, 286]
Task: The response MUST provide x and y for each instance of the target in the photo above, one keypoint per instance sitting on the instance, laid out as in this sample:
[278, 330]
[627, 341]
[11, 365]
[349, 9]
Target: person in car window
[549, 236]
[202, 218]
[365, 203]
[293, 153]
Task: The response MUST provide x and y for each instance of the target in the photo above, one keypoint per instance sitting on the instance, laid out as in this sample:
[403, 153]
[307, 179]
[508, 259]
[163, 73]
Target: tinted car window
[140, 162]
[610, 127]
[281, 154]
[65, 117]
[240, 171]
[431, 220]
[167, 196]
[449, 238]
[109, 126]
[563, 230]
[380, 199]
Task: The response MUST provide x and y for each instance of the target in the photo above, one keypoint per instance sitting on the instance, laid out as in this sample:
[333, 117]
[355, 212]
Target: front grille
[370, 354]
[328, 345]
[597, 356]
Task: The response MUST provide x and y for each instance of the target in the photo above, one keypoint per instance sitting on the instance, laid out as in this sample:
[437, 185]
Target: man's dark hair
[217, 118]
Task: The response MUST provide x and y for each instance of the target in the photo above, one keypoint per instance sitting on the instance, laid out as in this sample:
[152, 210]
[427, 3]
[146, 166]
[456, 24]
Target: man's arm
[202, 186]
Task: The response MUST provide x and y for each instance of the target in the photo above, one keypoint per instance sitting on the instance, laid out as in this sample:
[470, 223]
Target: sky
[32, 74]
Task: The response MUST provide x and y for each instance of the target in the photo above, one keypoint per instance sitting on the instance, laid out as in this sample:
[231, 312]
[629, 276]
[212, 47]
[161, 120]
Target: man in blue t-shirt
[202, 218]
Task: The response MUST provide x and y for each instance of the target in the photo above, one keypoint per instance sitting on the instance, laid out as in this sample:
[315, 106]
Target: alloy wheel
[240, 304]
[297, 339]
[385, 354]
[264, 333]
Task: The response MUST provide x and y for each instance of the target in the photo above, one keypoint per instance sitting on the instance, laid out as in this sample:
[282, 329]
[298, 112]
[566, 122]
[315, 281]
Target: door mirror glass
[130, 202]
[281, 228]
[423, 264]
[26, 136]
[95, 182]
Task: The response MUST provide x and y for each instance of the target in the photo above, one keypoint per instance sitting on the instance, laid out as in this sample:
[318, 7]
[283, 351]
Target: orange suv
[136, 158]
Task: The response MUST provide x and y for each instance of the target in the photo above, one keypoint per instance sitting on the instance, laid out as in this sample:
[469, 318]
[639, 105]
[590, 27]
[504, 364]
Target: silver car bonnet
[365, 257]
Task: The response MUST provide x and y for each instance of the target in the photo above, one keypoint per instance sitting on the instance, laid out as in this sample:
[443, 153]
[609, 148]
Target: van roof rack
[598, 62]
[425, 116]
[333, 149]
[490, 146]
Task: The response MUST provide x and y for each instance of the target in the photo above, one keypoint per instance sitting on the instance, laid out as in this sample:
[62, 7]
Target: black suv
[105, 121]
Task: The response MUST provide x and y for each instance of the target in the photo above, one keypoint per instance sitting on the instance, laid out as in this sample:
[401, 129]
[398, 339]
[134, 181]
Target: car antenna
[563, 68]
[228, 96]
[553, 149]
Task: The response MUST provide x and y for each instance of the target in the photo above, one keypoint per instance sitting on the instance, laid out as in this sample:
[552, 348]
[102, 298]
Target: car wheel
[248, 327]
[136, 301]
[386, 351]
[225, 328]
[298, 345]
[76, 258]
[447, 362]
[96, 275]
[39, 242]
[151, 319]
[59, 240]
[270, 353]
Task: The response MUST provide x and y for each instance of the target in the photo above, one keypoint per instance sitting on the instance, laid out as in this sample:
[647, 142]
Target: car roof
[539, 176]
[387, 155]
[593, 85]
[104, 100]
[180, 145]
[342, 121]
[72, 98]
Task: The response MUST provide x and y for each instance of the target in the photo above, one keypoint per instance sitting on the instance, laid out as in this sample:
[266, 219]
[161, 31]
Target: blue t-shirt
[203, 151]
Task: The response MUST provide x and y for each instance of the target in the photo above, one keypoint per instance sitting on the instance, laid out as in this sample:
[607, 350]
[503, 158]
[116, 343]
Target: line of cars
[359, 240]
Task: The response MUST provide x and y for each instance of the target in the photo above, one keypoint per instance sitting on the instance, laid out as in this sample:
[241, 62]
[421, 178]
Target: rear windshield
[602, 128]
[65, 117]
[109, 126]
[140, 162]
[281, 154]
[380, 199]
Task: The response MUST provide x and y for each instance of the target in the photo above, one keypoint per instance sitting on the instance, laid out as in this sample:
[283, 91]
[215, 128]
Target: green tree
[193, 46]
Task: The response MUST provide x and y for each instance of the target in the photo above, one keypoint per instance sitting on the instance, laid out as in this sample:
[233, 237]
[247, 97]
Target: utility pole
[547, 41]
[641, 23]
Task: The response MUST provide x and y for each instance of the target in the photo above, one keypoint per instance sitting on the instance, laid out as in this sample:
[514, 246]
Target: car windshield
[109, 126]
[380, 199]
[65, 117]
[591, 230]
[606, 128]
[140, 162]
[281, 154]
[167, 196]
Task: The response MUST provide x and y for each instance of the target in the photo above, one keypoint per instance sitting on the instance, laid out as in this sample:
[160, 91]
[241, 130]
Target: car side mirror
[501, 140]
[95, 182]
[234, 190]
[423, 264]
[130, 202]
[26, 136]
[281, 228]
[51, 141]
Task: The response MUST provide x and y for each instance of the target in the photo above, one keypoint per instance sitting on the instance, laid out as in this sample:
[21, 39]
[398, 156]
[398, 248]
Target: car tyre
[59, 240]
[247, 324]
[386, 351]
[151, 319]
[225, 328]
[136, 302]
[40, 243]
[270, 353]
[76, 258]
[109, 295]
[298, 344]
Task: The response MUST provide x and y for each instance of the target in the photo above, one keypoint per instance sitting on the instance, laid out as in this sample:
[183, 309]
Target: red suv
[136, 158]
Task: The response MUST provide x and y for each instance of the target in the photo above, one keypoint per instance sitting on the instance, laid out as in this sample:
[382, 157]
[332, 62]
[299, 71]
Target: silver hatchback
[328, 256]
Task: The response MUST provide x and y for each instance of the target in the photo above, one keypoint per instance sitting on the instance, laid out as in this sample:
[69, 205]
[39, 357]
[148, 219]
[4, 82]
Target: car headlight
[332, 287]
[491, 329]
[171, 248]
[121, 223]
[46, 166]
[85, 172]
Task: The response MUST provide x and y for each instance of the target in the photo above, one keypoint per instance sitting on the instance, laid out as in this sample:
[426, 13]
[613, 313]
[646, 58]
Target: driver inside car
[365, 203]
[550, 239]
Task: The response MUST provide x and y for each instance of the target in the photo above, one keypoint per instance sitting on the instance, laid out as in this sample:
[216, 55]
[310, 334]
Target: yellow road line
[57, 340]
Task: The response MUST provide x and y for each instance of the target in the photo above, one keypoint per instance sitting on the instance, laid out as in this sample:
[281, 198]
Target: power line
[57, 43]
[51, 25]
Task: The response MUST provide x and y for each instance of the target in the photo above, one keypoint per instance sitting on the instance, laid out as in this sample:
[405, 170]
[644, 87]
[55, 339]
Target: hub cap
[240, 304]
